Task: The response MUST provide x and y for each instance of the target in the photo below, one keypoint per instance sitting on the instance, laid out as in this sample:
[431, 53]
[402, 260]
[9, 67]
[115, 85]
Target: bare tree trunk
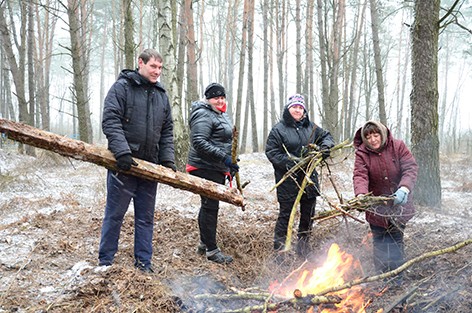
[30, 66]
[180, 70]
[167, 44]
[45, 28]
[323, 59]
[349, 131]
[266, 58]
[331, 110]
[424, 101]
[78, 41]
[281, 32]
[273, 110]
[242, 63]
[378, 60]
[192, 83]
[230, 52]
[140, 27]
[309, 72]
[17, 68]
[298, 49]
[445, 77]
[400, 74]
[102, 75]
[406, 62]
[31, 73]
[129, 34]
[368, 78]
[116, 38]
[250, 87]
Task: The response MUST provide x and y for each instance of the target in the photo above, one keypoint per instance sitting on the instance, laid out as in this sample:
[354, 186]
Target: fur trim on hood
[383, 133]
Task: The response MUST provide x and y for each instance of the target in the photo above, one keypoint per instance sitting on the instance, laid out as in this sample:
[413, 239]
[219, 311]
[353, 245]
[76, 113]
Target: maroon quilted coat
[382, 173]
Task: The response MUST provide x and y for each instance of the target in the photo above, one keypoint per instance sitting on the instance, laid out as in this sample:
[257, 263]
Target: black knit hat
[214, 90]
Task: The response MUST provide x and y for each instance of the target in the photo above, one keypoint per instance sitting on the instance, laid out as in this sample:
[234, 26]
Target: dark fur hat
[214, 90]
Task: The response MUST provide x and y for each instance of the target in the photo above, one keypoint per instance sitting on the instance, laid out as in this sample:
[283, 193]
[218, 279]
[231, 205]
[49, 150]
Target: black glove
[125, 161]
[170, 165]
[233, 167]
[325, 153]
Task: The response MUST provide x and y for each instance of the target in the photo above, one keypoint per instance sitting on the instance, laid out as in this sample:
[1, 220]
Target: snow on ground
[51, 209]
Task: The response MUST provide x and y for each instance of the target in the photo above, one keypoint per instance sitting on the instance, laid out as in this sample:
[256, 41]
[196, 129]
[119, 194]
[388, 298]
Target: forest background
[406, 63]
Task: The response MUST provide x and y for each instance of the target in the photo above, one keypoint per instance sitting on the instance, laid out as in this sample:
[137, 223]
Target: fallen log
[83, 151]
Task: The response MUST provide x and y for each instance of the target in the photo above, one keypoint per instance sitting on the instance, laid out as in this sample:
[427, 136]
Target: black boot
[218, 257]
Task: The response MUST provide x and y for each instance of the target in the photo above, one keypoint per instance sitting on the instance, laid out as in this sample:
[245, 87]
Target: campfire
[338, 268]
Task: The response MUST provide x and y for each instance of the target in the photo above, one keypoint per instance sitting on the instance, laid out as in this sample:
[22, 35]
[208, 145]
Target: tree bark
[79, 68]
[265, 90]
[242, 65]
[307, 85]
[378, 61]
[129, 34]
[167, 44]
[250, 85]
[192, 70]
[424, 102]
[101, 156]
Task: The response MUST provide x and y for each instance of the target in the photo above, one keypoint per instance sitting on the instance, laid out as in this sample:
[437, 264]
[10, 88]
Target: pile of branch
[310, 159]
[360, 204]
[324, 298]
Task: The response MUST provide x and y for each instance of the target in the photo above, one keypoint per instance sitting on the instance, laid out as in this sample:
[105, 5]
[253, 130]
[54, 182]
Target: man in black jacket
[137, 121]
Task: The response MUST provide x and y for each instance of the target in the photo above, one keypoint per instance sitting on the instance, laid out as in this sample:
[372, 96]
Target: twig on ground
[400, 299]
[397, 270]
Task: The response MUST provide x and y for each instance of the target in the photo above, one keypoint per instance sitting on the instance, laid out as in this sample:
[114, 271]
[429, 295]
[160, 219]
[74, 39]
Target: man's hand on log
[125, 162]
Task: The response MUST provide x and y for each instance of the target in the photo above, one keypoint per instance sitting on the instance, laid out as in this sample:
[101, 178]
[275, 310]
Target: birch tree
[167, 43]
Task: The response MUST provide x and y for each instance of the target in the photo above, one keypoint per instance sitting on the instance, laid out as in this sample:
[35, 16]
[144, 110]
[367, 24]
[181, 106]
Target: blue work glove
[401, 196]
[125, 161]
[169, 164]
[233, 167]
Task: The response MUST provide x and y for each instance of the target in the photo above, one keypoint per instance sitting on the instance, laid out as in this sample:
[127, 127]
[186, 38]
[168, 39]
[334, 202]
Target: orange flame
[338, 268]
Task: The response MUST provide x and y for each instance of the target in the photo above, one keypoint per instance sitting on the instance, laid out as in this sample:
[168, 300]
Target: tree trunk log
[83, 151]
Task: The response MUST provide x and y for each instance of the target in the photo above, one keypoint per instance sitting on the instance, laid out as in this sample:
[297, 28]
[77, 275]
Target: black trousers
[307, 211]
[208, 214]
[389, 247]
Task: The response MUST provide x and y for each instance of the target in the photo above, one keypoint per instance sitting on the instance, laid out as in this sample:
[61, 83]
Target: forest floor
[51, 210]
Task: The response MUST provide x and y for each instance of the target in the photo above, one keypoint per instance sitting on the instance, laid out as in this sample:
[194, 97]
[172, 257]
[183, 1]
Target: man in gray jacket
[137, 121]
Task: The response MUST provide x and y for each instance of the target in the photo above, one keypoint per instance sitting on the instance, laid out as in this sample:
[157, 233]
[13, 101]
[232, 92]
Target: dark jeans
[121, 188]
[388, 247]
[307, 211]
[208, 215]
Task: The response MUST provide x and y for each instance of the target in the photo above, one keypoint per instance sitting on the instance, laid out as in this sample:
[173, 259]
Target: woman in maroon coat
[385, 166]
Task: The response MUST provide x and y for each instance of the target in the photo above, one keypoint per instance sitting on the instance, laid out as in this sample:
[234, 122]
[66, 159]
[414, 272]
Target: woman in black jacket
[284, 146]
[211, 136]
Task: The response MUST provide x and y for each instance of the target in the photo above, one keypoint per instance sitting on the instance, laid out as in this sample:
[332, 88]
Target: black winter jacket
[211, 136]
[137, 119]
[289, 135]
